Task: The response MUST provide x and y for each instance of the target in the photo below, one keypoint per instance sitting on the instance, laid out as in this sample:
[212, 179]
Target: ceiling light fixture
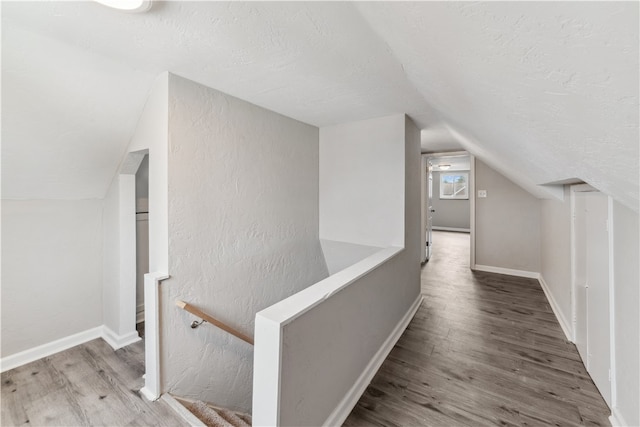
[444, 167]
[132, 6]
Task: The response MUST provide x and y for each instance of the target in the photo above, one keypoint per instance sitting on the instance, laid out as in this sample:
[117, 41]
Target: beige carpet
[217, 417]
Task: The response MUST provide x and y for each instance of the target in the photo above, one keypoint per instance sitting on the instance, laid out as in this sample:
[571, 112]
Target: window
[454, 185]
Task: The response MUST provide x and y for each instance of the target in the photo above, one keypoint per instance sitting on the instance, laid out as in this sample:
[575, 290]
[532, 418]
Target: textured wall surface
[243, 221]
[449, 212]
[51, 271]
[507, 223]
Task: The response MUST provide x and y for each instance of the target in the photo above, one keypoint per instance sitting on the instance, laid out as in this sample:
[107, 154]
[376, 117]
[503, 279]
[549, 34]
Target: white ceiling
[454, 163]
[543, 91]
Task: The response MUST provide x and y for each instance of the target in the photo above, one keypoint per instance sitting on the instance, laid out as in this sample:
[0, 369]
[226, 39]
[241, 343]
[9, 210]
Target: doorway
[448, 203]
[142, 239]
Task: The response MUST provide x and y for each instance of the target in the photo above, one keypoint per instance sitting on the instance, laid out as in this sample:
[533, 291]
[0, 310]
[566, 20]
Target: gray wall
[449, 213]
[327, 348]
[243, 233]
[507, 223]
[142, 181]
[555, 251]
[626, 252]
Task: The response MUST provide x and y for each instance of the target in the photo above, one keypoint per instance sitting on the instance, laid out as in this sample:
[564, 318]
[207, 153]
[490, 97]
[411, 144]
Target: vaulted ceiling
[545, 92]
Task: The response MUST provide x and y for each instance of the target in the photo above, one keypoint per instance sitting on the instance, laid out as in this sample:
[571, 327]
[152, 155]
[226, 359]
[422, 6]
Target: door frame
[586, 188]
[472, 200]
[423, 207]
[578, 188]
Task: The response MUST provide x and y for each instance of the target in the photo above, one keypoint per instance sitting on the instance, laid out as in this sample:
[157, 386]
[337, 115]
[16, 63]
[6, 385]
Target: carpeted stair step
[217, 417]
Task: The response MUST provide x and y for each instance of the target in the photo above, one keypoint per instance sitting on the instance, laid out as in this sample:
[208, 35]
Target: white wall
[243, 233]
[340, 255]
[111, 257]
[119, 260]
[555, 256]
[119, 269]
[361, 192]
[151, 137]
[507, 223]
[51, 271]
[317, 351]
[626, 254]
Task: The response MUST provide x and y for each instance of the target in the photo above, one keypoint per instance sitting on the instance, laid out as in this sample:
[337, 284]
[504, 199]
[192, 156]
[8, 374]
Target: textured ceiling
[543, 92]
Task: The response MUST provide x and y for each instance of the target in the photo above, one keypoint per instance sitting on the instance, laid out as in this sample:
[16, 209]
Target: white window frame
[460, 195]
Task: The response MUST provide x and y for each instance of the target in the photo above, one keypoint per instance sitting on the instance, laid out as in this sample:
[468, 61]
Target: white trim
[152, 385]
[127, 253]
[564, 324]
[447, 154]
[118, 341]
[423, 207]
[267, 372]
[572, 231]
[460, 230]
[149, 395]
[44, 350]
[508, 271]
[612, 306]
[342, 411]
[472, 212]
[183, 412]
[616, 419]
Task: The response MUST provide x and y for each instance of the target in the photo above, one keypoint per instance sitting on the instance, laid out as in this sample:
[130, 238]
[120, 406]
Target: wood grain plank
[483, 349]
[87, 385]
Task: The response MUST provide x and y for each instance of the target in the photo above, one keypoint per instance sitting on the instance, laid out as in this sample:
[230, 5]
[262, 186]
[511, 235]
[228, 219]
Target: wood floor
[483, 349]
[87, 385]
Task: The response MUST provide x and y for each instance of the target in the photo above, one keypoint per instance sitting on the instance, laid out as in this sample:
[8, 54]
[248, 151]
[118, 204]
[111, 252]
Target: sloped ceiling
[543, 92]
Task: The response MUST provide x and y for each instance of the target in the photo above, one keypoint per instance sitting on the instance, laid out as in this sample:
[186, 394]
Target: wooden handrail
[204, 316]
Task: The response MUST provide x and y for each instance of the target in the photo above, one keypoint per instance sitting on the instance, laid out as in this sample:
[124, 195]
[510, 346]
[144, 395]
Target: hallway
[483, 349]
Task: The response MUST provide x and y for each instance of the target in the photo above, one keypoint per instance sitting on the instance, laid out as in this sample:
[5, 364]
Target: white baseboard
[44, 350]
[342, 411]
[118, 341]
[183, 412]
[508, 271]
[460, 230]
[616, 419]
[564, 324]
[148, 394]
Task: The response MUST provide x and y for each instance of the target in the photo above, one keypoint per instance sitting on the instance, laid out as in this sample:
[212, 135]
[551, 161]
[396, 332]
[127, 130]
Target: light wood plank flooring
[87, 385]
[483, 349]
